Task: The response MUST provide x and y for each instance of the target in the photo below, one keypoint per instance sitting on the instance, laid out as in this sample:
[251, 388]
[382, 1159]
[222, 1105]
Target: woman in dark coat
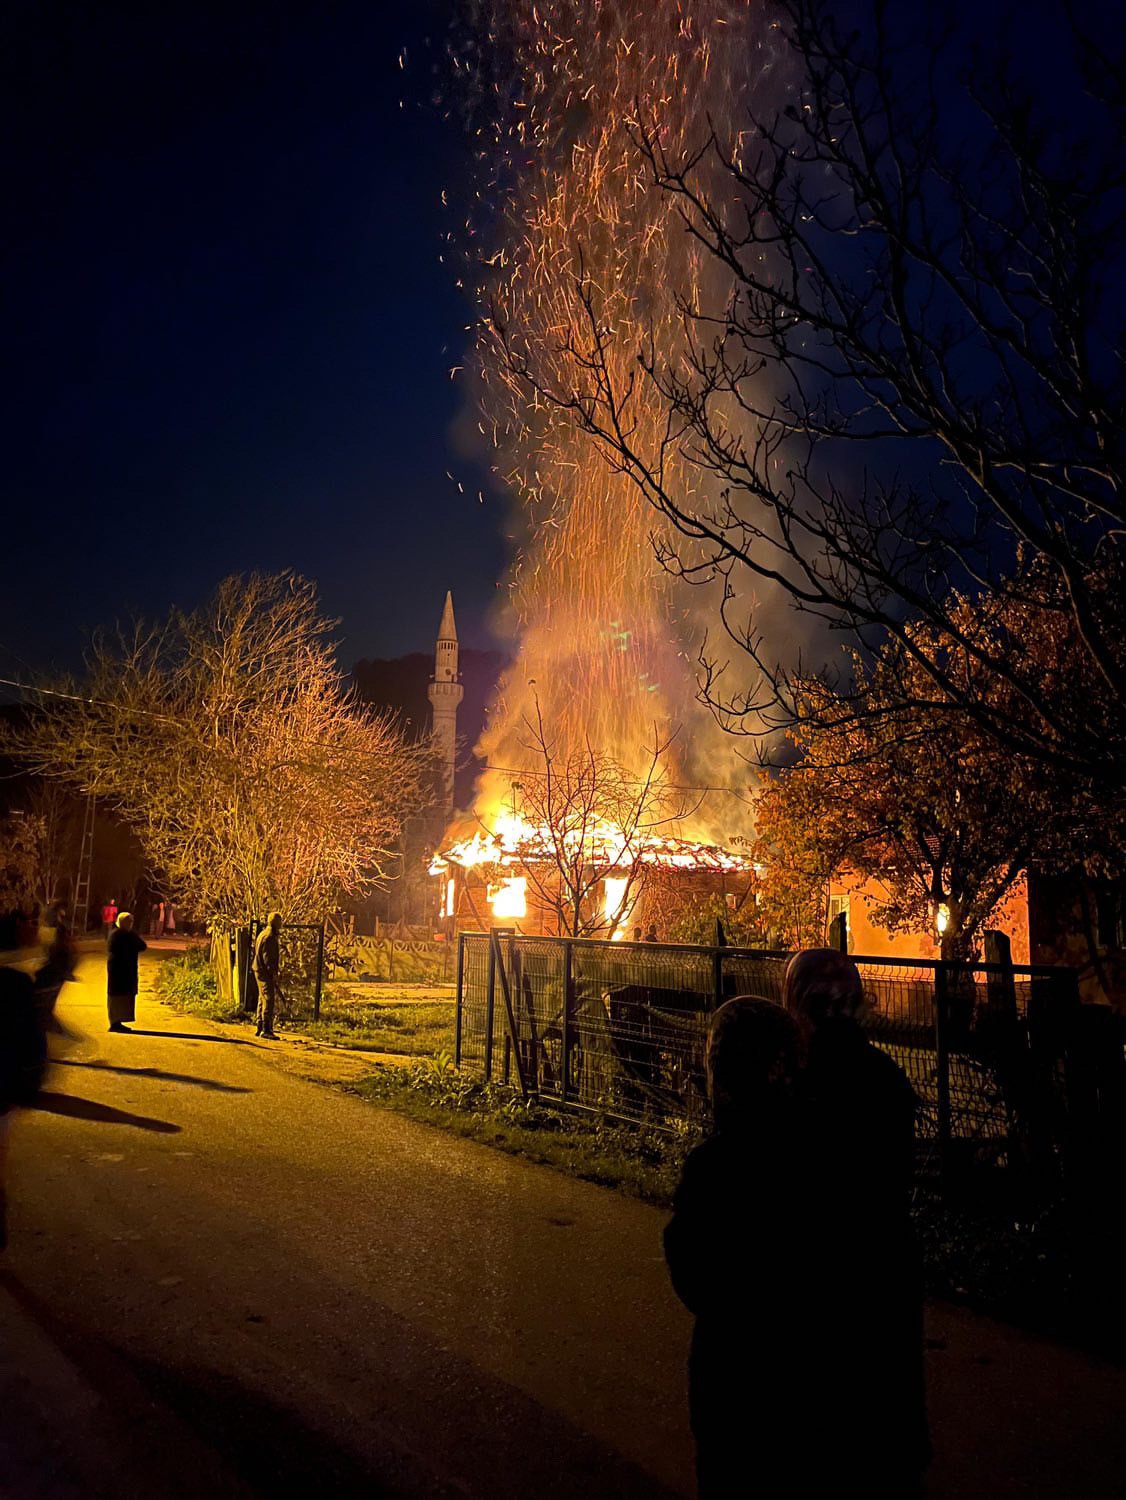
[739, 1248]
[122, 951]
[860, 1110]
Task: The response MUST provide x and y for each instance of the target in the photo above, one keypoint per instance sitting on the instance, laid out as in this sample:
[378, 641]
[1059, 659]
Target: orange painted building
[857, 898]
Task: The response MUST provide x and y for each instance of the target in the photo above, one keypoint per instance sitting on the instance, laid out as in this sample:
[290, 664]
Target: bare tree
[226, 739]
[909, 384]
[19, 869]
[589, 822]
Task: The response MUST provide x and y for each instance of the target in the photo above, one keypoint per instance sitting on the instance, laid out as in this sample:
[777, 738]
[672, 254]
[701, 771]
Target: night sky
[227, 335]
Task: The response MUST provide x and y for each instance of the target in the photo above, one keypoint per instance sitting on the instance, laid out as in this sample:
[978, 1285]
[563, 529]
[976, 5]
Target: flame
[617, 906]
[605, 645]
[510, 899]
[514, 843]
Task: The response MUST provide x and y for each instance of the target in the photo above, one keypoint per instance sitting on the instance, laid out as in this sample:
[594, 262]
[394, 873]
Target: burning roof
[514, 843]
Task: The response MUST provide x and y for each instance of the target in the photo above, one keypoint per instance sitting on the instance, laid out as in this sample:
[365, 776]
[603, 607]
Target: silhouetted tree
[900, 377]
[917, 800]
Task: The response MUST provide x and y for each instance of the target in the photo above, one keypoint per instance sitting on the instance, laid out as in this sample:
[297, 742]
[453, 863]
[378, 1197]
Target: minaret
[445, 695]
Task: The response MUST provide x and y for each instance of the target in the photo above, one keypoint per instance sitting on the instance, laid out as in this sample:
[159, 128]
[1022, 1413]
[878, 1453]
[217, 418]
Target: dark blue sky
[227, 335]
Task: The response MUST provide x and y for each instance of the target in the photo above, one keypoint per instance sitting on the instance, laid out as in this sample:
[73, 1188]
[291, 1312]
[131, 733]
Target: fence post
[717, 979]
[320, 972]
[568, 1006]
[460, 998]
[490, 1006]
[942, 1061]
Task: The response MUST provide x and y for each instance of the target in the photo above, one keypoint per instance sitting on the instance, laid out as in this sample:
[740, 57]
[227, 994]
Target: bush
[188, 983]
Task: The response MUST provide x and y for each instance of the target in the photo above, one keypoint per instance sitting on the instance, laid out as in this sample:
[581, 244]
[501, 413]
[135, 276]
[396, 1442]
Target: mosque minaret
[446, 693]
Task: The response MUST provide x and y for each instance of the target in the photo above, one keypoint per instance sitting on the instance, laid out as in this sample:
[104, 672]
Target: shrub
[188, 983]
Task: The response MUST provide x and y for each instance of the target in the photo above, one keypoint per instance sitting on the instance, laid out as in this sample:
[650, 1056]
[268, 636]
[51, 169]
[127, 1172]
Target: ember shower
[607, 644]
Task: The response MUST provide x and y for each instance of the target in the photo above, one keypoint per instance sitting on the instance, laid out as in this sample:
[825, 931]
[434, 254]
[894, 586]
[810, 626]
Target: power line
[144, 713]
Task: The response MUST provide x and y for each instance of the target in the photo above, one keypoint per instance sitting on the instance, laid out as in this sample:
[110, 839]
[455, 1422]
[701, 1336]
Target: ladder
[80, 917]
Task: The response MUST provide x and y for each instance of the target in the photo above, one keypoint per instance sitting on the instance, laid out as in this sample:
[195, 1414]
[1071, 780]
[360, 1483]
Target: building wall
[474, 913]
[866, 937]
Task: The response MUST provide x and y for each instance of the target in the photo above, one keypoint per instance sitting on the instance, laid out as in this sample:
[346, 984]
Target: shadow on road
[104, 1114]
[191, 1036]
[271, 1448]
[201, 1083]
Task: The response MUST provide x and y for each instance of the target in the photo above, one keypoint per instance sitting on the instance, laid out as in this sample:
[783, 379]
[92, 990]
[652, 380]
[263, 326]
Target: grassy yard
[390, 1021]
[410, 1020]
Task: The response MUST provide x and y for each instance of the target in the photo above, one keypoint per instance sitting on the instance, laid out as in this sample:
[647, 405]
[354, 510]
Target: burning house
[601, 882]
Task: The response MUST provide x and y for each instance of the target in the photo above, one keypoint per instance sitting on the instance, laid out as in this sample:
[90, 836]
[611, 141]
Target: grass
[418, 1029]
[187, 984]
[421, 1028]
[642, 1162]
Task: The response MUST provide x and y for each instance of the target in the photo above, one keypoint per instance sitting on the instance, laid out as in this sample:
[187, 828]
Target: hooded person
[123, 948]
[860, 1112]
[739, 1248]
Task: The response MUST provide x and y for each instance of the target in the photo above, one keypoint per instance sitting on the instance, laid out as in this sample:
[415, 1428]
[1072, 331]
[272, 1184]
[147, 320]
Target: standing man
[109, 915]
[267, 962]
[123, 948]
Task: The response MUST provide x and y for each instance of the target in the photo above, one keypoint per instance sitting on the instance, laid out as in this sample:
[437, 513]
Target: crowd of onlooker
[31, 925]
[791, 1243]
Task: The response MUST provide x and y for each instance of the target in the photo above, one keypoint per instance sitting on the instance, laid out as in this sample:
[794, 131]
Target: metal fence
[301, 970]
[1009, 1068]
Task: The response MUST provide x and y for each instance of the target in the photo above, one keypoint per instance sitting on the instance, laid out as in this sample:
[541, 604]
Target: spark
[564, 86]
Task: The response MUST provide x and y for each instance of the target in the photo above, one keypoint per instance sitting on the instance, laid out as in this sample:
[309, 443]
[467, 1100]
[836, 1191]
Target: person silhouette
[738, 1248]
[860, 1110]
[123, 948]
[267, 970]
[23, 1056]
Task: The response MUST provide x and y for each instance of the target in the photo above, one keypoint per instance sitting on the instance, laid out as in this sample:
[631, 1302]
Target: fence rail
[1009, 1068]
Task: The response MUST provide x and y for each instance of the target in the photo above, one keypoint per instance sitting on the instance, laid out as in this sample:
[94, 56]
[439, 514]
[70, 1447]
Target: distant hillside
[400, 685]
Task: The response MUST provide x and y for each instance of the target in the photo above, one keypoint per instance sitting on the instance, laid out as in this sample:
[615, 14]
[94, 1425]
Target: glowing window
[510, 899]
[617, 906]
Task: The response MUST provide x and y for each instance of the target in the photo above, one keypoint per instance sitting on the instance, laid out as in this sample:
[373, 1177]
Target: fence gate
[301, 970]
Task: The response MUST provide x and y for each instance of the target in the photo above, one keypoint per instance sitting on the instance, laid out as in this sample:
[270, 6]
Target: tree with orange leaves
[914, 794]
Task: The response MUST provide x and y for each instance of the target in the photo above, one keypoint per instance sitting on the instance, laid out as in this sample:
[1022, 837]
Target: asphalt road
[226, 1280]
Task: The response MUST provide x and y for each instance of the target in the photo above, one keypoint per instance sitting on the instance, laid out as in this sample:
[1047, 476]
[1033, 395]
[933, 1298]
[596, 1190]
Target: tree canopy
[226, 738]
